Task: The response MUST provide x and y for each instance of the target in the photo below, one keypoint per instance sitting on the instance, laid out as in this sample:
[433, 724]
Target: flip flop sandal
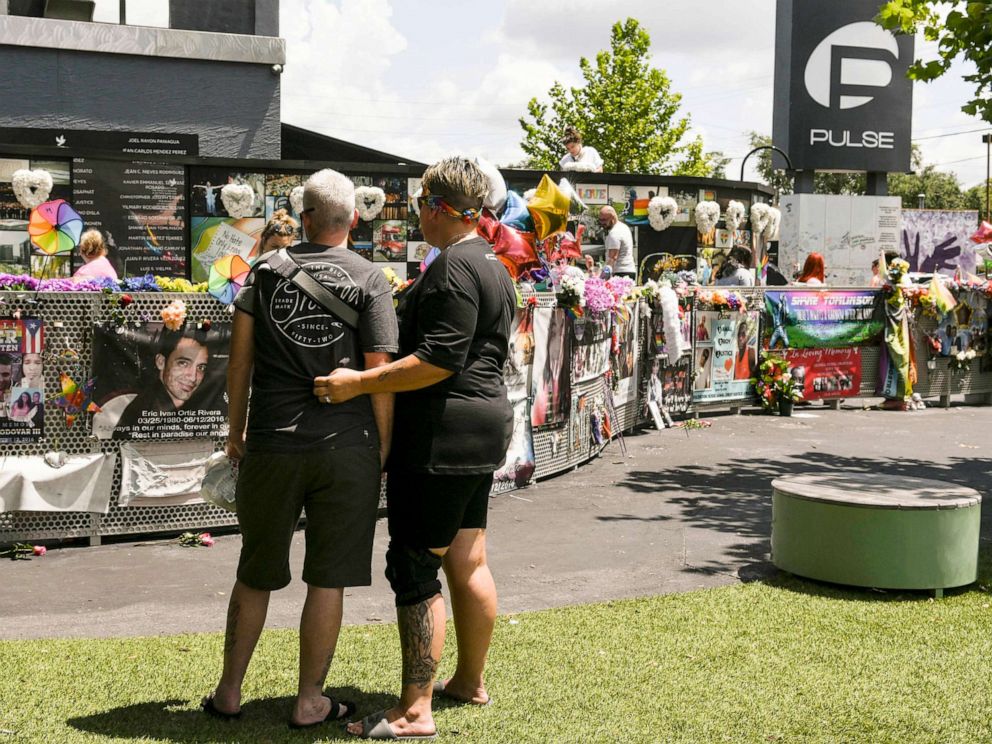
[375, 726]
[334, 714]
[207, 704]
[439, 689]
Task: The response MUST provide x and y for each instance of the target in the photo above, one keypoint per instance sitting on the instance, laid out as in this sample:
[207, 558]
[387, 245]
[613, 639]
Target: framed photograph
[389, 240]
[417, 250]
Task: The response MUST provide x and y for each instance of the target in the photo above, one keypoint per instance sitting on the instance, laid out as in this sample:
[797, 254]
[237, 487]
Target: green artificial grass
[784, 661]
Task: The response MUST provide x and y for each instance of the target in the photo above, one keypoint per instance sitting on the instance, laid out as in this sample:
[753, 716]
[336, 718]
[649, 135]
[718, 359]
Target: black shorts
[339, 489]
[426, 511]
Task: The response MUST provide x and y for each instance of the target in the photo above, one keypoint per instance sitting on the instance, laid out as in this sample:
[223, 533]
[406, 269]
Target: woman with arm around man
[451, 429]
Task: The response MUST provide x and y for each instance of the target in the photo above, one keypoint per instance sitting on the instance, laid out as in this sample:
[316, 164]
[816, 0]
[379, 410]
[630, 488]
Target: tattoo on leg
[416, 624]
[233, 612]
[327, 667]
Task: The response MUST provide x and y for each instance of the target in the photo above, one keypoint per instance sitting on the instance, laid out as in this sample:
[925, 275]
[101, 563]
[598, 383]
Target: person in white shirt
[619, 244]
[579, 158]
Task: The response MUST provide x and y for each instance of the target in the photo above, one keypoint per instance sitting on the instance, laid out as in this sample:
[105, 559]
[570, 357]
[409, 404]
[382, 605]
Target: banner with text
[826, 373]
[821, 319]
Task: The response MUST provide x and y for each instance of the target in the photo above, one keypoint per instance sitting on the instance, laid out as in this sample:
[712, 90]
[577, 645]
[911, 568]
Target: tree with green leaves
[975, 198]
[626, 110]
[940, 189]
[966, 31]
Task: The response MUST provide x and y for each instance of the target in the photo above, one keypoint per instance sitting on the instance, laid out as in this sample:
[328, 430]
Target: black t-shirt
[296, 340]
[457, 315]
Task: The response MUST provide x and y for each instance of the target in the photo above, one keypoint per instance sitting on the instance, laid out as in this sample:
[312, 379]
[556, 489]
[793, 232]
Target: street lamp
[987, 139]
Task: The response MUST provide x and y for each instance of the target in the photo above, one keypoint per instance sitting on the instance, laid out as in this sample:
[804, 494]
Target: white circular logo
[303, 321]
[849, 62]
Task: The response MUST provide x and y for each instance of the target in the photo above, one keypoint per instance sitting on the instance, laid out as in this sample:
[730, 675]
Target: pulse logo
[847, 70]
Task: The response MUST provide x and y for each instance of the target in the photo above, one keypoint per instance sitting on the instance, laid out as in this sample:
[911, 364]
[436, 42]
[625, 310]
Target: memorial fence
[582, 431]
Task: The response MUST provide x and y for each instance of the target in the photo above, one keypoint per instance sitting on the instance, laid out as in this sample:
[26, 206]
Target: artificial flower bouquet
[775, 383]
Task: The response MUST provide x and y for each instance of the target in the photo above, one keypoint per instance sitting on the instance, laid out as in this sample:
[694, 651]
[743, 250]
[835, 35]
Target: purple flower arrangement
[598, 296]
[26, 283]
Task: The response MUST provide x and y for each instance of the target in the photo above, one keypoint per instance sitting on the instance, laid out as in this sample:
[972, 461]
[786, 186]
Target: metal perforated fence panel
[68, 326]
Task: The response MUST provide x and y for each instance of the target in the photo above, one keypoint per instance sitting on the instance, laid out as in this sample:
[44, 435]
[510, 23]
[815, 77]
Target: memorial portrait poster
[156, 384]
[826, 373]
[551, 381]
[22, 382]
[726, 355]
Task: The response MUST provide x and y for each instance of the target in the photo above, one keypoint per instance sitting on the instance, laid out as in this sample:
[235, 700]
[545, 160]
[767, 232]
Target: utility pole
[987, 139]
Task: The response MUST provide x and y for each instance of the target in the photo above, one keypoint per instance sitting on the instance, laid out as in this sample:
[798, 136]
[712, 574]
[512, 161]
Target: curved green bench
[876, 530]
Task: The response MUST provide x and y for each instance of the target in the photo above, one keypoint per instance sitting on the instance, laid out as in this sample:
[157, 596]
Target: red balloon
[516, 248]
[983, 234]
[511, 267]
[572, 247]
[488, 226]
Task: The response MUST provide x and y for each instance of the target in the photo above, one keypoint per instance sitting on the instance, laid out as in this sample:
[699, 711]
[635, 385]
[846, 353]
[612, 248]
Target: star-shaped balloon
[549, 209]
[75, 398]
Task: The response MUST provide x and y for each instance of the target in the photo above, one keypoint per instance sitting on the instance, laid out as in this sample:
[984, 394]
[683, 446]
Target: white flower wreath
[369, 201]
[774, 220]
[759, 218]
[579, 166]
[238, 199]
[735, 215]
[662, 211]
[31, 187]
[707, 215]
[296, 199]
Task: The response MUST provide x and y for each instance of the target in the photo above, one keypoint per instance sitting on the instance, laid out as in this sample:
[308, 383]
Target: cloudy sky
[423, 78]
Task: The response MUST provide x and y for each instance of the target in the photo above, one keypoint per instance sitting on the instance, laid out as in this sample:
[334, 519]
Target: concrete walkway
[683, 511]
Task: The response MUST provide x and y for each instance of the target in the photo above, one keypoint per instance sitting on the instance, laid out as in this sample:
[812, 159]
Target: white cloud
[424, 88]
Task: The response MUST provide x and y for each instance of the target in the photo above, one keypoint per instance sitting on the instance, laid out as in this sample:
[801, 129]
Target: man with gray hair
[308, 310]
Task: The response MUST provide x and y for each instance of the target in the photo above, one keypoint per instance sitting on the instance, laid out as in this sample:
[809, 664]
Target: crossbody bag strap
[289, 268]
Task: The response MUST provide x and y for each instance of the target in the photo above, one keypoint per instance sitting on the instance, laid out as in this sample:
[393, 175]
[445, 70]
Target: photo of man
[181, 363]
[746, 353]
[154, 383]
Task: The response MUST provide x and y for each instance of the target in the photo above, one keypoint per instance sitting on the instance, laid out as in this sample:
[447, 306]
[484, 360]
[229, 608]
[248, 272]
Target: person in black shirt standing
[299, 452]
[452, 427]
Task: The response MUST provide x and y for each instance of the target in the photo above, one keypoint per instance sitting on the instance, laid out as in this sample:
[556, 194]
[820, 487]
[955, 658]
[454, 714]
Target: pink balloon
[983, 234]
[488, 226]
[515, 249]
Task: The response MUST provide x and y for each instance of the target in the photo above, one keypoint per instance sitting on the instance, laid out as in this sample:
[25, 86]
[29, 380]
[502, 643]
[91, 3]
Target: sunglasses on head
[436, 202]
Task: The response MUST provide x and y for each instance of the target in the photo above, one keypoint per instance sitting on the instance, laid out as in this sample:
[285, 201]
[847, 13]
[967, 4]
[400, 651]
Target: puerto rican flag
[33, 340]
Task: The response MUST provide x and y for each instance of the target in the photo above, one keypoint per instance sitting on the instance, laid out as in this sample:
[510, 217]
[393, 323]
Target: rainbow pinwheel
[227, 275]
[55, 227]
[75, 399]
